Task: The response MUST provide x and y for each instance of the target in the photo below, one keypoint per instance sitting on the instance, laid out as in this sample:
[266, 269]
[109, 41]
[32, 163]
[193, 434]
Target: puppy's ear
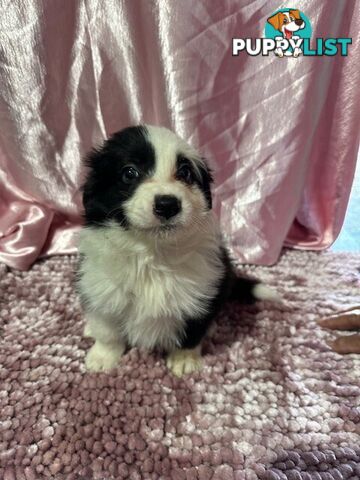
[99, 160]
[276, 20]
[98, 171]
[295, 13]
[206, 181]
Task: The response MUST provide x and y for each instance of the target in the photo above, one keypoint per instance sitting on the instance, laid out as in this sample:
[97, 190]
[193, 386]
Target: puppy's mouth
[288, 34]
[162, 231]
[165, 227]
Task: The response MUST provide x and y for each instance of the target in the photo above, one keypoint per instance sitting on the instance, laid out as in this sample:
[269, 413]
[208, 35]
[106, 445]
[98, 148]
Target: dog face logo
[289, 25]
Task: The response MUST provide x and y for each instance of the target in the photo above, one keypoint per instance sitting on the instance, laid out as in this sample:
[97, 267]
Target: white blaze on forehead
[167, 145]
[287, 15]
[139, 207]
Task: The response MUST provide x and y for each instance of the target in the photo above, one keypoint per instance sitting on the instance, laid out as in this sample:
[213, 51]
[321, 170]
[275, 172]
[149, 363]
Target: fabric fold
[281, 134]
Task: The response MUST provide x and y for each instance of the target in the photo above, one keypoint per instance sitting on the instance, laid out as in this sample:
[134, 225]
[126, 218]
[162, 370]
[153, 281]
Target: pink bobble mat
[272, 401]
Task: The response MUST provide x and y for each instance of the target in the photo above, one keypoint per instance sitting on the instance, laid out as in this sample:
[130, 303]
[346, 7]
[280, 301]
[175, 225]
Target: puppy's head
[146, 179]
[287, 22]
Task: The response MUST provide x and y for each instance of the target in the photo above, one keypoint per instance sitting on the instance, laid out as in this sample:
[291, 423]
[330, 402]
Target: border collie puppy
[153, 271]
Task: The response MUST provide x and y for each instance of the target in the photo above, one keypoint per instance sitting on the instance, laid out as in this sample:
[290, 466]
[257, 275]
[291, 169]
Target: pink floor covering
[272, 402]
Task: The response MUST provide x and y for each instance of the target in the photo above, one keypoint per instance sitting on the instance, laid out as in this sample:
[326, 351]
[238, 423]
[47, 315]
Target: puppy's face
[147, 179]
[287, 22]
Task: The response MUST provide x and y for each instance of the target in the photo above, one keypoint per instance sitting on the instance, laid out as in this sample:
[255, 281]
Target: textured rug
[272, 402]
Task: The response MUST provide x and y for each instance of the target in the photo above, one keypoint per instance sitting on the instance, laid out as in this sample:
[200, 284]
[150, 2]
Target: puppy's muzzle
[166, 206]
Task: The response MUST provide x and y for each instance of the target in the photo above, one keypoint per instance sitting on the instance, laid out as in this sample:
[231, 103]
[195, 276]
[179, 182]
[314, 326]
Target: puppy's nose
[166, 206]
[299, 22]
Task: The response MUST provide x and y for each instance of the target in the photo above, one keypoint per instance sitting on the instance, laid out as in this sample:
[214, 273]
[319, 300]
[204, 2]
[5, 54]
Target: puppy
[287, 23]
[153, 270]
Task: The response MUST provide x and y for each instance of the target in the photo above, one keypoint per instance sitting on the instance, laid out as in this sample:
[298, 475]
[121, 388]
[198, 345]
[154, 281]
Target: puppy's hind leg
[87, 330]
[108, 348]
[184, 361]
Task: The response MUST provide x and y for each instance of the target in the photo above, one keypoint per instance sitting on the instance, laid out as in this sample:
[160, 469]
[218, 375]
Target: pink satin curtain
[281, 134]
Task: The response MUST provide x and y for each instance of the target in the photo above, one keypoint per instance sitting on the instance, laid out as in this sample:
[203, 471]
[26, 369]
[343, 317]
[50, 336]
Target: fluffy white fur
[139, 286]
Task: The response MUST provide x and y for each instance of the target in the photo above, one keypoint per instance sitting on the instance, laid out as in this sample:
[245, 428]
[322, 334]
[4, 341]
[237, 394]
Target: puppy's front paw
[181, 362]
[102, 357]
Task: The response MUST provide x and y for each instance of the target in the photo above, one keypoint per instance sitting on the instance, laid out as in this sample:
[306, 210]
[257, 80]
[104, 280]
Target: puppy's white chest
[162, 297]
[148, 295]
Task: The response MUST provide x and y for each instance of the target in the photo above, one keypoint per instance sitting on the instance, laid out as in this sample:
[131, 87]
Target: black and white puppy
[153, 270]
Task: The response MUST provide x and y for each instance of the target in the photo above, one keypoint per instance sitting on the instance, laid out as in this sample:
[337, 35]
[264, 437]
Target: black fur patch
[104, 192]
[230, 288]
[203, 179]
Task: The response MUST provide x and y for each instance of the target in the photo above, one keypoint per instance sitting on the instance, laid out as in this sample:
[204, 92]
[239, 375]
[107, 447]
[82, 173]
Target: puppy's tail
[247, 290]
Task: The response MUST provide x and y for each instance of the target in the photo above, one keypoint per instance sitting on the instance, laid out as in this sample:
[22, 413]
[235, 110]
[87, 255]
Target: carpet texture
[273, 401]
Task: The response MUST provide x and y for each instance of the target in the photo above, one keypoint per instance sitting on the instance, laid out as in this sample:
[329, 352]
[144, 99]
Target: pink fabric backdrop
[281, 134]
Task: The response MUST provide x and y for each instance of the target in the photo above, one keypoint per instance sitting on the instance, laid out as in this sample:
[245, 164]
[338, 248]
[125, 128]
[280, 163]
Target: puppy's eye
[185, 174]
[285, 20]
[292, 19]
[129, 175]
